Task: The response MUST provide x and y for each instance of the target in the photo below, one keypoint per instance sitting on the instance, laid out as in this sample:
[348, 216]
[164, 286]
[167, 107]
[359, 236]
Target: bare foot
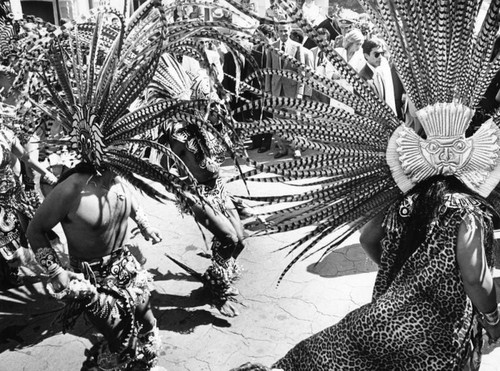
[251, 367]
[228, 310]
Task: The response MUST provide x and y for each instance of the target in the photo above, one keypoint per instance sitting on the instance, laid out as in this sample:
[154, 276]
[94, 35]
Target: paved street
[195, 336]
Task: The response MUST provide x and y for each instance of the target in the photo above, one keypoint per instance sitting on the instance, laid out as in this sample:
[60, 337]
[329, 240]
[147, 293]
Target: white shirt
[382, 78]
[385, 72]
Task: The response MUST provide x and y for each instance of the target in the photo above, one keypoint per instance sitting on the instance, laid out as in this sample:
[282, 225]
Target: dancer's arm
[371, 236]
[476, 275]
[52, 211]
[140, 218]
[19, 151]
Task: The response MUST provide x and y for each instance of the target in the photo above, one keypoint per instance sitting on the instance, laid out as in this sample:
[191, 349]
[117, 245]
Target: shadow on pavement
[196, 298]
[185, 321]
[344, 261]
[157, 276]
[28, 315]
[178, 319]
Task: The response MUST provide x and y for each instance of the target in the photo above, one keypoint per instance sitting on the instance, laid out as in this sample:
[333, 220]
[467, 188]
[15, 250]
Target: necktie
[283, 50]
[379, 84]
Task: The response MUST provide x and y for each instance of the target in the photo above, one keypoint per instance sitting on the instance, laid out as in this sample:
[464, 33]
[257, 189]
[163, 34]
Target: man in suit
[377, 71]
[373, 52]
[261, 142]
[279, 85]
[298, 36]
[321, 65]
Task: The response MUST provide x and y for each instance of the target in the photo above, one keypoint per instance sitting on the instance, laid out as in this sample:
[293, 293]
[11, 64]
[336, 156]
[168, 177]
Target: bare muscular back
[202, 175]
[97, 220]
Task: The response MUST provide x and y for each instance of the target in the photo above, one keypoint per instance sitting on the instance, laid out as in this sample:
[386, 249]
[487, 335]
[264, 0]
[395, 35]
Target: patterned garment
[8, 179]
[421, 319]
[13, 201]
[214, 195]
[209, 153]
[122, 284]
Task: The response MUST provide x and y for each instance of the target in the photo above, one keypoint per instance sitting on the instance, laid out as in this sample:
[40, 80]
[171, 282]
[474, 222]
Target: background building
[54, 10]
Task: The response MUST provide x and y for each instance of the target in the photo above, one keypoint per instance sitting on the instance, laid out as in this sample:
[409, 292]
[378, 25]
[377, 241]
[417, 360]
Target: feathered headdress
[445, 68]
[100, 69]
[197, 101]
[18, 81]
[364, 159]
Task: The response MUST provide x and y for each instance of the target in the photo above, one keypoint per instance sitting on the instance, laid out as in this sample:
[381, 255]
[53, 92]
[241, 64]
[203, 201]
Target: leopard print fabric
[421, 319]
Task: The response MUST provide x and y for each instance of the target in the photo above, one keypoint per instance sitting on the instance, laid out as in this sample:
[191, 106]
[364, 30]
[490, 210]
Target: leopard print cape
[421, 319]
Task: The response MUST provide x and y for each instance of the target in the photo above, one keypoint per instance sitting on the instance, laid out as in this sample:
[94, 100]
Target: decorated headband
[446, 150]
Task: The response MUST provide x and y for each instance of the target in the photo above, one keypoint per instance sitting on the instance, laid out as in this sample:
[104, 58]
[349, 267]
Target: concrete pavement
[195, 336]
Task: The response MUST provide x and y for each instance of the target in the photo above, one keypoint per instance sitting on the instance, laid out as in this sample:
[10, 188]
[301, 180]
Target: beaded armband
[141, 220]
[48, 259]
[491, 319]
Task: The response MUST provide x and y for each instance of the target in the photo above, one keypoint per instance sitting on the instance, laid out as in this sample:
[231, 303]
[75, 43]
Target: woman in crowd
[351, 49]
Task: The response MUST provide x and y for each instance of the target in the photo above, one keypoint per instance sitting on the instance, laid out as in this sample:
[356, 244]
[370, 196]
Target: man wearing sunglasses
[373, 52]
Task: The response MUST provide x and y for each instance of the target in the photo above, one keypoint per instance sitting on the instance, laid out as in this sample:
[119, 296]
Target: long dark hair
[429, 197]
[80, 168]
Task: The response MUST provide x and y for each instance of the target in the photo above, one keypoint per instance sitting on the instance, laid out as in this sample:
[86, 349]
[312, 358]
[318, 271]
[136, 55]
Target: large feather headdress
[18, 83]
[364, 159]
[95, 70]
[199, 109]
[445, 68]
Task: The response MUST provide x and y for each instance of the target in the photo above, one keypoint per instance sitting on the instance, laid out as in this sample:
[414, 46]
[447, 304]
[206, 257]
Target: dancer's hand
[49, 178]
[153, 234]
[68, 285]
[61, 281]
[148, 233]
[492, 331]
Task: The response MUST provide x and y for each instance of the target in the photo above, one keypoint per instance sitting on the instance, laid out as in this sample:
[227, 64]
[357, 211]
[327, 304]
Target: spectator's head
[373, 51]
[188, 9]
[268, 31]
[284, 31]
[324, 34]
[297, 36]
[353, 39]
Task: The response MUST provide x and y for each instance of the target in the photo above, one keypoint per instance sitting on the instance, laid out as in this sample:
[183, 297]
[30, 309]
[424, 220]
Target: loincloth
[122, 285]
[118, 270]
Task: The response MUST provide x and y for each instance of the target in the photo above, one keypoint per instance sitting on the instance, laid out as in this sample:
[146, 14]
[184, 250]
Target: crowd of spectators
[353, 38]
